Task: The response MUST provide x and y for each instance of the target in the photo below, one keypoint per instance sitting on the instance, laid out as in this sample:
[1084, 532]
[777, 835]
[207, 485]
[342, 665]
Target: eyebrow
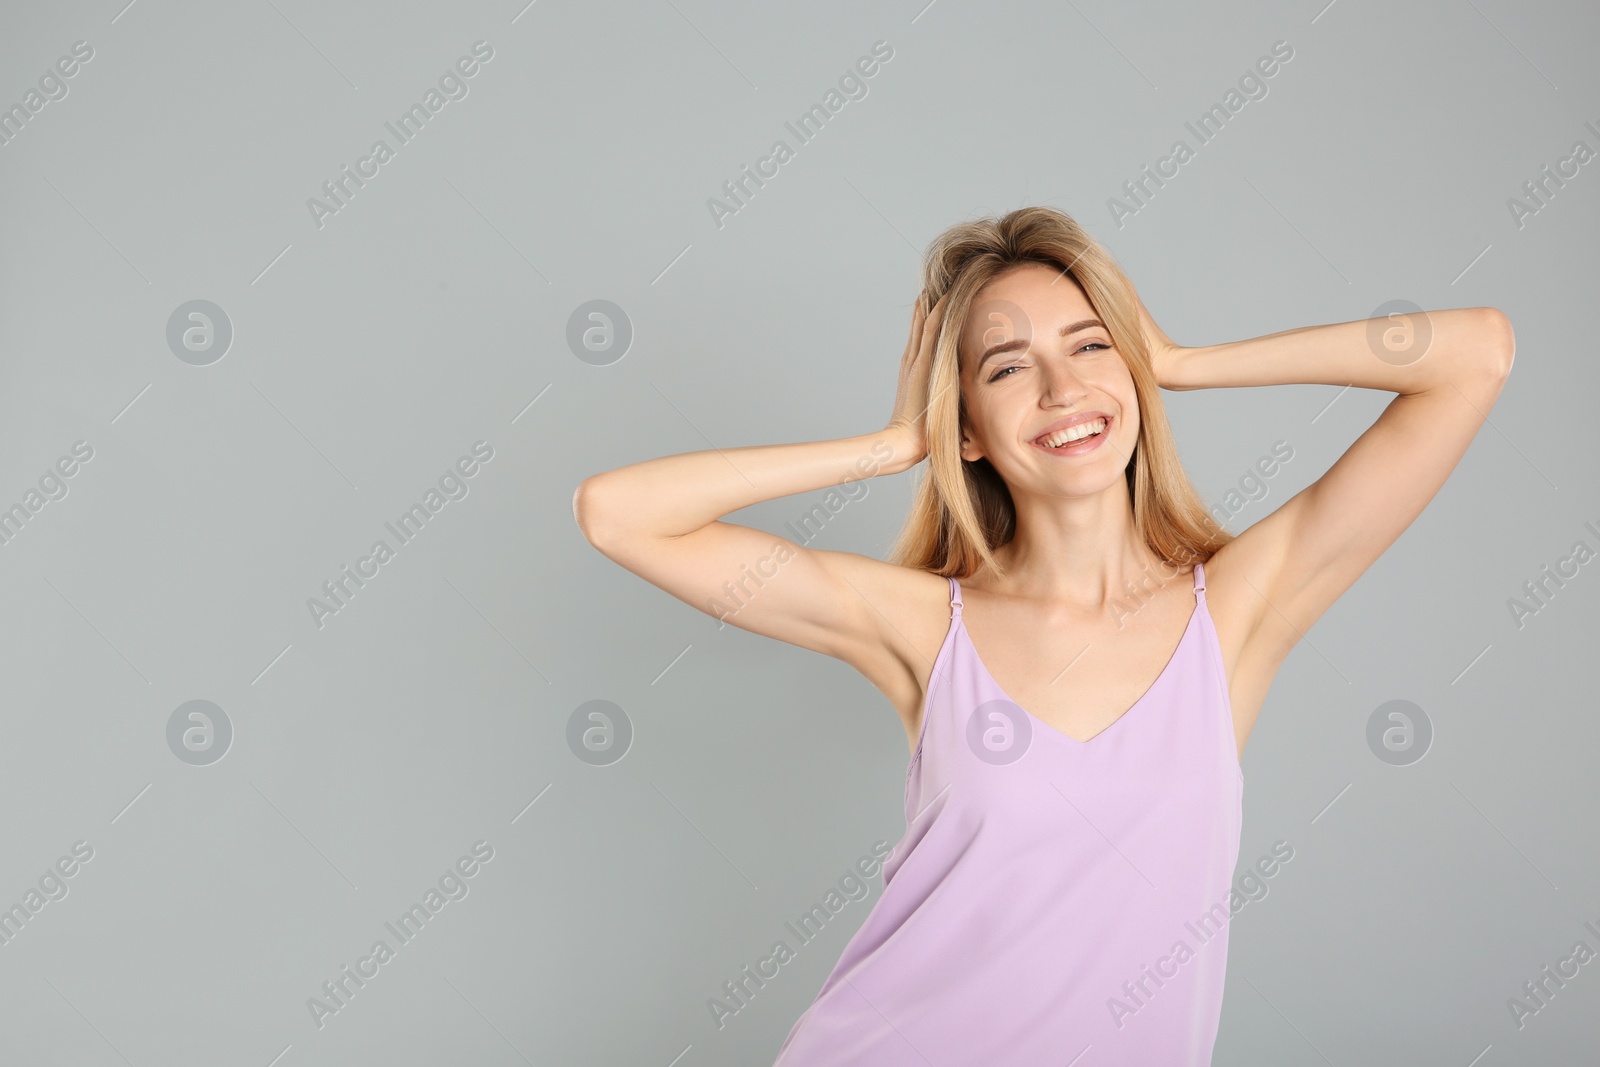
[1022, 342]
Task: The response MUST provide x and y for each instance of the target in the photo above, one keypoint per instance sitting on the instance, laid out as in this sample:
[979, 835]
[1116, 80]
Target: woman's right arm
[661, 519]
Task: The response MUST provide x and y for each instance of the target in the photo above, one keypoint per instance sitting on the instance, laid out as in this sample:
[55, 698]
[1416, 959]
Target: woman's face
[1035, 358]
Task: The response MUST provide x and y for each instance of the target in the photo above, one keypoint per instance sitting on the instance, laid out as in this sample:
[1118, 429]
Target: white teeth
[1073, 433]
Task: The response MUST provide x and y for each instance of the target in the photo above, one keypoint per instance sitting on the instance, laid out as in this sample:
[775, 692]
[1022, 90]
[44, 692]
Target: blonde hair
[963, 509]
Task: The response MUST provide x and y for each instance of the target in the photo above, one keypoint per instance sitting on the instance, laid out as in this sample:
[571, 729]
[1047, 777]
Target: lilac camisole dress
[1052, 901]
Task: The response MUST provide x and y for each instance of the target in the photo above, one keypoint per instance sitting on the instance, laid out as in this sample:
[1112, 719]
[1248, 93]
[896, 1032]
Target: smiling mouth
[1079, 437]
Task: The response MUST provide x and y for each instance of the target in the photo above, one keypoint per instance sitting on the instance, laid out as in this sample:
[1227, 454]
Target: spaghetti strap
[1199, 581]
[955, 598]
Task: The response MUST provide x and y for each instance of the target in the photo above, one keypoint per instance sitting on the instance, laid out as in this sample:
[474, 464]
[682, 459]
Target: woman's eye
[1001, 373]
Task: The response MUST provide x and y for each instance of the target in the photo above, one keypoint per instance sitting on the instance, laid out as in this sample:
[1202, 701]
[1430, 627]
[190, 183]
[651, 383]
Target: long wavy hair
[963, 509]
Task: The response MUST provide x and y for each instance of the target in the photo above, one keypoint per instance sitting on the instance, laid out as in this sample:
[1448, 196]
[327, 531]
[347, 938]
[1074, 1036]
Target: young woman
[1076, 649]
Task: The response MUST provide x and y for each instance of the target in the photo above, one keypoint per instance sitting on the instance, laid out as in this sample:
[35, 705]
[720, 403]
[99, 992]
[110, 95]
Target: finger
[935, 320]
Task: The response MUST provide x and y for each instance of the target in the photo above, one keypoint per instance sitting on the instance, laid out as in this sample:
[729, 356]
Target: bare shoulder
[907, 612]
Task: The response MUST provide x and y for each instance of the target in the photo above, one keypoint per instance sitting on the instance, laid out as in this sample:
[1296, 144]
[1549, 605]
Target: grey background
[431, 312]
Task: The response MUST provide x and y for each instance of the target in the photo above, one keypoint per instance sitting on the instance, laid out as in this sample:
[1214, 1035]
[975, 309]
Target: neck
[1084, 551]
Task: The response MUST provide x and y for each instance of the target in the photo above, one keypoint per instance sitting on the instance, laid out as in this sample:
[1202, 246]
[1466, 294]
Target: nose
[1062, 386]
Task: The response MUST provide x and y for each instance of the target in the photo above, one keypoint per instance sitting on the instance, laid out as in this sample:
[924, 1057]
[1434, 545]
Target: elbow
[589, 510]
[1501, 343]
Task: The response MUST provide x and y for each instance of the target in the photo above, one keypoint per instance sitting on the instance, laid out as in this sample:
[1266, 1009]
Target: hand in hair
[1163, 352]
[911, 397]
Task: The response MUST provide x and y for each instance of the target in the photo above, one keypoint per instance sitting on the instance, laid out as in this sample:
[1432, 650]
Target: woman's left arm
[1447, 367]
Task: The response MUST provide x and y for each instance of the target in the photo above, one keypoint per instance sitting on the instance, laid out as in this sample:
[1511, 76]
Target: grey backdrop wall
[242, 345]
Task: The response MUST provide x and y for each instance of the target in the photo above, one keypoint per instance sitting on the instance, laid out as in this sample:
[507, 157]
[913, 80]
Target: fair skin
[1057, 632]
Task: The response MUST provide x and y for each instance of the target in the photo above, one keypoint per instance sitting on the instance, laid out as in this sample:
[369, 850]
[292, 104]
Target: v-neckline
[1194, 617]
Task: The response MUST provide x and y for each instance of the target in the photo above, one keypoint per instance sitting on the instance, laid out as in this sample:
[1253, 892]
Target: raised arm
[661, 519]
[1303, 556]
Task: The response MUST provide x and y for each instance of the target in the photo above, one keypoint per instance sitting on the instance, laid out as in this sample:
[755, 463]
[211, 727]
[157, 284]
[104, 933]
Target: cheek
[1119, 384]
[1128, 413]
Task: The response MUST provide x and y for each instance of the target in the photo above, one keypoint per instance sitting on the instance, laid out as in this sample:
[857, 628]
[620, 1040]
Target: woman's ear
[969, 450]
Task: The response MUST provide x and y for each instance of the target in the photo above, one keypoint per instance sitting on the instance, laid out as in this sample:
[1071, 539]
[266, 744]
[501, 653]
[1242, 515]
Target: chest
[1081, 680]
